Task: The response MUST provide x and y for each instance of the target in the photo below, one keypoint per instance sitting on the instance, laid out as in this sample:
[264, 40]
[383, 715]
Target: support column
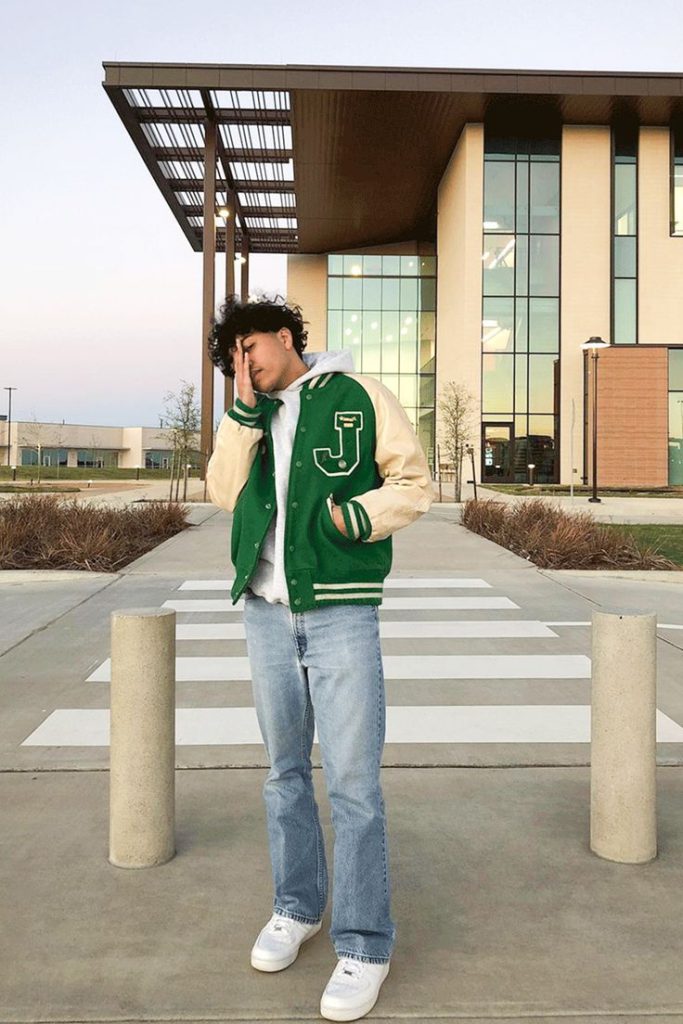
[208, 289]
[228, 392]
[244, 280]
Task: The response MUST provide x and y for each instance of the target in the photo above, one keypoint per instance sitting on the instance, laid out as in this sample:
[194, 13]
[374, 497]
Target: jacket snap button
[295, 504]
[294, 582]
[342, 464]
[268, 505]
[255, 543]
[297, 600]
[299, 465]
[291, 547]
[309, 397]
[303, 430]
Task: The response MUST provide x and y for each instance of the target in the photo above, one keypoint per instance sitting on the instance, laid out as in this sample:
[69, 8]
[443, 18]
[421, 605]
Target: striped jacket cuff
[245, 414]
[356, 520]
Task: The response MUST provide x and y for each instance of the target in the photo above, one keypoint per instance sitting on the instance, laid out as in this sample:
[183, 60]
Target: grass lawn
[667, 539]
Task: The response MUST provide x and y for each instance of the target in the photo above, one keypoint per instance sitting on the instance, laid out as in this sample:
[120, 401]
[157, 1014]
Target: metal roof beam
[259, 156]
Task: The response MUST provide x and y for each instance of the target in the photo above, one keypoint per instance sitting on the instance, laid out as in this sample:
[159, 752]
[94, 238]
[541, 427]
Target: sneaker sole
[351, 1014]
[280, 965]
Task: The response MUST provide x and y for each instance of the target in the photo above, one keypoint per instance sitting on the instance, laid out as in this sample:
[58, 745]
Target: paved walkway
[501, 909]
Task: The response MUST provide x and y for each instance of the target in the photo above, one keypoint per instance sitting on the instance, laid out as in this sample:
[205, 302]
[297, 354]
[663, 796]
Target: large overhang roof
[324, 159]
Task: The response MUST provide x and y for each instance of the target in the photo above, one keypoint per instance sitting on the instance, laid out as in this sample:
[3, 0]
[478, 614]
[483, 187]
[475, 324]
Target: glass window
[521, 367]
[335, 293]
[624, 256]
[407, 389]
[426, 359]
[353, 265]
[335, 264]
[372, 355]
[427, 325]
[624, 199]
[408, 357]
[372, 293]
[675, 435]
[372, 265]
[676, 369]
[522, 198]
[334, 329]
[408, 294]
[521, 325]
[544, 327]
[541, 447]
[391, 293]
[545, 197]
[544, 265]
[391, 382]
[542, 383]
[353, 293]
[408, 326]
[624, 312]
[497, 325]
[427, 294]
[391, 265]
[428, 266]
[409, 266]
[678, 197]
[522, 265]
[427, 390]
[499, 264]
[499, 196]
[497, 383]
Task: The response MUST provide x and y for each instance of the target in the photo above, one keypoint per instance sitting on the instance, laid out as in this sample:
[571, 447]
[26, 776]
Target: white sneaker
[353, 989]
[277, 945]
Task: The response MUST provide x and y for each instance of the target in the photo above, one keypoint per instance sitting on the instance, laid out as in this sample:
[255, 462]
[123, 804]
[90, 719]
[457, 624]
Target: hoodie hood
[319, 363]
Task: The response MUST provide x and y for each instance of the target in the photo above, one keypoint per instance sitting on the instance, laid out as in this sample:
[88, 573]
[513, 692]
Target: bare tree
[182, 418]
[34, 436]
[456, 405]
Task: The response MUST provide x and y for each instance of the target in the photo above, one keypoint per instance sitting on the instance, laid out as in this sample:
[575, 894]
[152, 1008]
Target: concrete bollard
[623, 822]
[142, 745]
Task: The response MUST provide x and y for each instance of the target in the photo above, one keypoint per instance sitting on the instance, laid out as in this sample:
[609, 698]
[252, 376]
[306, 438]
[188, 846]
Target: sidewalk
[502, 911]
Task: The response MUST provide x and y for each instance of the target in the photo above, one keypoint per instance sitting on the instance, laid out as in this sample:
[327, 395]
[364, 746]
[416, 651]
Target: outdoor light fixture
[223, 212]
[593, 345]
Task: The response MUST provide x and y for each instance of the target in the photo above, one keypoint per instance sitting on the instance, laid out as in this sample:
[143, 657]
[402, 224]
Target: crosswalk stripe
[397, 582]
[414, 603]
[517, 723]
[432, 666]
[413, 629]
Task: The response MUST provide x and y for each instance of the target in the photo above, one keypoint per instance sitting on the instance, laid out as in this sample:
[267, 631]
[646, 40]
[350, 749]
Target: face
[270, 355]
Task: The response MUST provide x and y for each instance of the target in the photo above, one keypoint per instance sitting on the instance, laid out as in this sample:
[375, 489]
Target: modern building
[449, 225]
[71, 445]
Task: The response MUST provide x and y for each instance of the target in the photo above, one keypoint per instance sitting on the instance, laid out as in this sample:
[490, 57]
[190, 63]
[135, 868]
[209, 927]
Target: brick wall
[633, 427]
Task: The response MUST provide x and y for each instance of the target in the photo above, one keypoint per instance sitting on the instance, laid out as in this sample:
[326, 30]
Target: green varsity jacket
[353, 443]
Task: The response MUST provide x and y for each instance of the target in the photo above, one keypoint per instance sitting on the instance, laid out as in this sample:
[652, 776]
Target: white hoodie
[268, 580]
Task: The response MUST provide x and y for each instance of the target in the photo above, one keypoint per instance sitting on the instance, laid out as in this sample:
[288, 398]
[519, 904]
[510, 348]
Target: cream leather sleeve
[232, 458]
[408, 490]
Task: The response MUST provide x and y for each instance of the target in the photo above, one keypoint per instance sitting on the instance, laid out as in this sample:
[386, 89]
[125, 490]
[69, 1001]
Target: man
[319, 466]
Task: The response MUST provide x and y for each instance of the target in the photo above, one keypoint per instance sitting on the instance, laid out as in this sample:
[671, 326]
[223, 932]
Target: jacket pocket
[329, 526]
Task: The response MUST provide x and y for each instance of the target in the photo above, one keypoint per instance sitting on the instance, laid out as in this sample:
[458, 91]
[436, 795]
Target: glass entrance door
[497, 446]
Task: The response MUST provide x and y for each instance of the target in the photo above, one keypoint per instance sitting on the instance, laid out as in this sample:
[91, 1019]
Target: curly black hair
[242, 318]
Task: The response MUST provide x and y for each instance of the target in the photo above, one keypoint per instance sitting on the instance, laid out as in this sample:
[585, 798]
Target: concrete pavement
[501, 909]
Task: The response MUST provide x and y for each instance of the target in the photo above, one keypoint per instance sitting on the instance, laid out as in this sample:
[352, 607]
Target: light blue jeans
[324, 668]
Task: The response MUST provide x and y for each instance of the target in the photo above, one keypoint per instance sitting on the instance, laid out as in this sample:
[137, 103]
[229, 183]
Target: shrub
[49, 532]
[555, 539]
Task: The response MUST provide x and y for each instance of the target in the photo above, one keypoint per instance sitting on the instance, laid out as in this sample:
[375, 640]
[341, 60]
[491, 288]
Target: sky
[100, 292]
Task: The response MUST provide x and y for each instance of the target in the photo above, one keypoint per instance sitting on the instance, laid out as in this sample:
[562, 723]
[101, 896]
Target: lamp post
[9, 423]
[593, 345]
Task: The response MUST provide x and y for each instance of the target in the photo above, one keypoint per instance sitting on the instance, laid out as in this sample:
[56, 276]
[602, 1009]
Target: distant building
[77, 445]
